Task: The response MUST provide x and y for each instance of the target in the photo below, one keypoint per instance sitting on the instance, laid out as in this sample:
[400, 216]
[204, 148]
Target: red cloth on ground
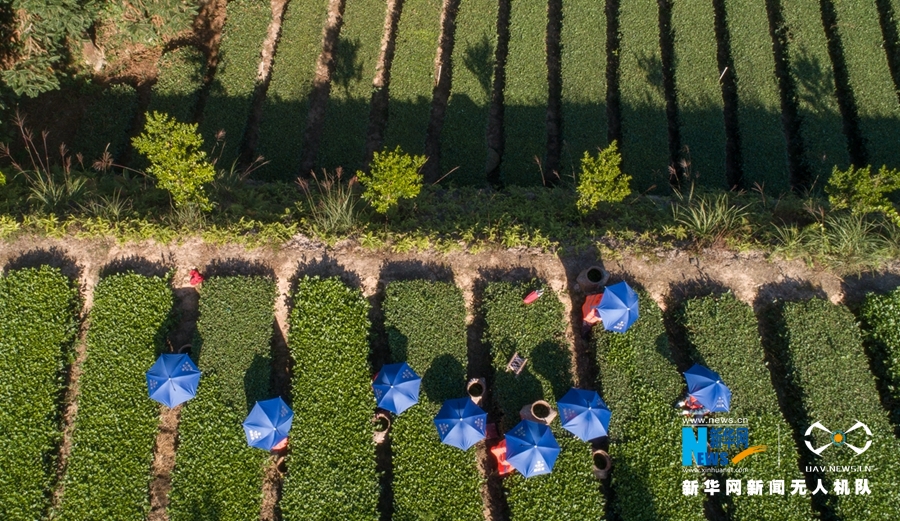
[499, 452]
[587, 310]
[280, 445]
[196, 278]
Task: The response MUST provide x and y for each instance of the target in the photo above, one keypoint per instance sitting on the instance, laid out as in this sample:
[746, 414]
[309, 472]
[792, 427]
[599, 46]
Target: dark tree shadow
[682, 351]
[856, 288]
[479, 60]
[236, 267]
[652, 67]
[551, 361]
[139, 265]
[815, 80]
[324, 267]
[347, 66]
[54, 257]
[414, 270]
[256, 381]
[444, 379]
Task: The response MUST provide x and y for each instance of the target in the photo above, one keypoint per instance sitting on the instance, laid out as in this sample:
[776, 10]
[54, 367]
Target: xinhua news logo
[838, 438]
[711, 446]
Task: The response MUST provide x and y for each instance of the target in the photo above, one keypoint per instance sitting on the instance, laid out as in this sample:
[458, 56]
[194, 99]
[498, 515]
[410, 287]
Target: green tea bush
[394, 175]
[537, 332]
[108, 473]
[860, 191]
[722, 334]
[820, 346]
[881, 318]
[426, 327]
[331, 465]
[217, 475]
[602, 179]
[179, 82]
[640, 383]
[38, 307]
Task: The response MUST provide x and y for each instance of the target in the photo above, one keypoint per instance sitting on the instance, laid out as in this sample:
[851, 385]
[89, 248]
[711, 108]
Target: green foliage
[881, 317]
[601, 179]
[2, 178]
[108, 116]
[722, 334]
[38, 307]
[150, 22]
[640, 383]
[179, 82]
[819, 345]
[108, 473]
[710, 218]
[331, 466]
[217, 475]
[426, 327]
[333, 205]
[862, 192]
[176, 159]
[394, 175]
[536, 332]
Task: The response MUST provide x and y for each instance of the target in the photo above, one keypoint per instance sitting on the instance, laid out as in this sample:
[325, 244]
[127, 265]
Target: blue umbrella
[396, 387]
[707, 388]
[584, 414]
[173, 379]
[268, 423]
[461, 423]
[531, 448]
[618, 309]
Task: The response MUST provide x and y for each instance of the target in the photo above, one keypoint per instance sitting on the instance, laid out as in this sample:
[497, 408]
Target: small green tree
[601, 179]
[862, 192]
[392, 176]
[180, 167]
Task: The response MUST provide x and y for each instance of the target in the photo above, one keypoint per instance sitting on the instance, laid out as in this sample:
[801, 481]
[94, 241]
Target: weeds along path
[443, 81]
[378, 106]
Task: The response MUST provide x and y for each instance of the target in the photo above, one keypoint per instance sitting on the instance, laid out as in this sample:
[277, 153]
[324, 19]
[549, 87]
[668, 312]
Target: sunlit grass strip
[810, 66]
[38, 307]
[525, 96]
[645, 144]
[287, 101]
[412, 75]
[759, 105]
[640, 383]
[823, 354]
[108, 120]
[723, 334]
[699, 93]
[331, 466]
[536, 332]
[347, 117]
[217, 475]
[870, 79]
[178, 84]
[108, 474]
[463, 138]
[426, 327]
[583, 81]
[228, 105]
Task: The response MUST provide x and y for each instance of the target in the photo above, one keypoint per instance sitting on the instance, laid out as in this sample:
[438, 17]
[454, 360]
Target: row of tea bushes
[536, 332]
[640, 384]
[426, 328]
[881, 318]
[331, 465]
[38, 308]
[108, 473]
[217, 475]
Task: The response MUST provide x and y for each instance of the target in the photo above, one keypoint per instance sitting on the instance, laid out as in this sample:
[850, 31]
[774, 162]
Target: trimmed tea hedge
[38, 307]
[536, 332]
[331, 466]
[178, 86]
[525, 95]
[359, 44]
[426, 327]
[640, 383]
[699, 94]
[463, 141]
[759, 104]
[231, 91]
[645, 142]
[412, 75]
[286, 108]
[881, 318]
[821, 349]
[108, 120]
[217, 475]
[723, 335]
[108, 474]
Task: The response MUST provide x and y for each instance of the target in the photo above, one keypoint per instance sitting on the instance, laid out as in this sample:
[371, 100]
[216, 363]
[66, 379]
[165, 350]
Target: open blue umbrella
[396, 387]
[531, 448]
[461, 423]
[584, 414]
[618, 309]
[173, 379]
[268, 423]
[707, 388]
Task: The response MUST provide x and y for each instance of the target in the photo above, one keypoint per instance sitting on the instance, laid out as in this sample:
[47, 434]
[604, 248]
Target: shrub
[38, 307]
[881, 318]
[640, 383]
[108, 474]
[331, 466]
[601, 179]
[180, 167]
[536, 332]
[862, 192]
[426, 327]
[217, 475]
[393, 176]
[333, 208]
